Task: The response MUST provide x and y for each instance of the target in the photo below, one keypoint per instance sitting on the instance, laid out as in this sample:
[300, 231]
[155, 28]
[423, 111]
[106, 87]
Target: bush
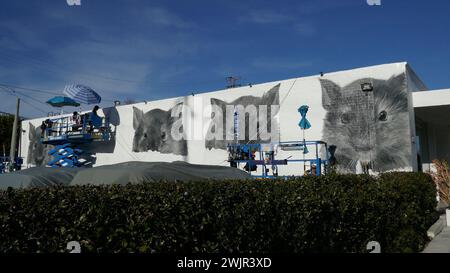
[336, 213]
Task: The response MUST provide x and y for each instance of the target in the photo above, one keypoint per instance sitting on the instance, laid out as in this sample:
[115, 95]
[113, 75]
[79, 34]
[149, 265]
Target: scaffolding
[254, 155]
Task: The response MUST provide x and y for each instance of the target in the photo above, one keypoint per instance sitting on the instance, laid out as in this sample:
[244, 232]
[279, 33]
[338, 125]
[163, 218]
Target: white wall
[292, 94]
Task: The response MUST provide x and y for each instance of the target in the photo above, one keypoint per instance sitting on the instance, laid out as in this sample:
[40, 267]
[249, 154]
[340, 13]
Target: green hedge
[336, 213]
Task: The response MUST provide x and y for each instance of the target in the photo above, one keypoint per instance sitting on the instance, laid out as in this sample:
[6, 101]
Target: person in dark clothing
[95, 109]
[46, 127]
[76, 119]
[94, 119]
[43, 127]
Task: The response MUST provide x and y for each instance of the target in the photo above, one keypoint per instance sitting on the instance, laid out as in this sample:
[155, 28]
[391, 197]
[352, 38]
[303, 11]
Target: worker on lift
[95, 121]
[249, 166]
[76, 120]
[269, 158]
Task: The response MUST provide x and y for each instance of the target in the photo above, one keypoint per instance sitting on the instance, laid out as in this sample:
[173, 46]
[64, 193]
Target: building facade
[381, 117]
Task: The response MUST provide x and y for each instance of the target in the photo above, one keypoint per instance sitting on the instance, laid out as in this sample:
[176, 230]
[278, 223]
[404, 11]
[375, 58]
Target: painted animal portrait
[153, 132]
[370, 128]
[269, 98]
[37, 152]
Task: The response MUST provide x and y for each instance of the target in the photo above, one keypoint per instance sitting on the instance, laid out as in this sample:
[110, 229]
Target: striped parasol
[82, 94]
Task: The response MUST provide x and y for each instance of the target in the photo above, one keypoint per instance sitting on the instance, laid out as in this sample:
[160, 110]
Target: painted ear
[330, 93]
[272, 97]
[138, 117]
[218, 102]
[398, 83]
[176, 111]
[32, 132]
[393, 92]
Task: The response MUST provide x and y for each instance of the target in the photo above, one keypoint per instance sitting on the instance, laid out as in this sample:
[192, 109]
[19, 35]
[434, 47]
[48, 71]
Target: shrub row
[336, 213]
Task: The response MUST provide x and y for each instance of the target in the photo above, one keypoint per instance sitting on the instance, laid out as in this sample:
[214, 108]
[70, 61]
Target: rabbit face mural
[153, 132]
[368, 128]
[270, 98]
[37, 152]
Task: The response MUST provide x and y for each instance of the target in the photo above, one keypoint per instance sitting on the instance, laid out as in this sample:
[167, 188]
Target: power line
[42, 65]
[25, 95]
[25, 101]
[29, 89]
[40, 91]
[35, 107]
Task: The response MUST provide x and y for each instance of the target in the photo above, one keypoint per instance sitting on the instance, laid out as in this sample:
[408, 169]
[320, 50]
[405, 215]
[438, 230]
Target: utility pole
[12, 153]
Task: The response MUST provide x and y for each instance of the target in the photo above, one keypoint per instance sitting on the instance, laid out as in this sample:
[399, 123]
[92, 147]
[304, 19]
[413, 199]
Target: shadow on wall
[269, 98]
[368, 128]
[153, 132]
[112, 115]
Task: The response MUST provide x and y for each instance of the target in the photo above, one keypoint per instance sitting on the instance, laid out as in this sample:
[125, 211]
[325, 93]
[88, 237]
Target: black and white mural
[153, 132]
[271, 97]
[369, 128]
[37, 152]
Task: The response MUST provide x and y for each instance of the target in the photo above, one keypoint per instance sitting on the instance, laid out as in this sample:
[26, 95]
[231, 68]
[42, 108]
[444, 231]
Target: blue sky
[150, 49]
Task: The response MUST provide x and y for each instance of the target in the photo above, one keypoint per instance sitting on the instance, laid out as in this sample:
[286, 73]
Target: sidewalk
[441, 242]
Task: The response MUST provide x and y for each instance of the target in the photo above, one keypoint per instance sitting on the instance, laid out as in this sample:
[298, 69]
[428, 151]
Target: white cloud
[268, 17]
[265, 17]
[305, 29]
[162, 17]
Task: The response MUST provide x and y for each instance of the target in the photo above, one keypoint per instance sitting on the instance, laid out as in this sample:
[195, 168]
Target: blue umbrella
[60, 101]
[304, 124]
[82, 94]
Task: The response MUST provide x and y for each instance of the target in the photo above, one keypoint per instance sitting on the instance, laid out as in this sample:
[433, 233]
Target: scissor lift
[66, 136]
[254, 155]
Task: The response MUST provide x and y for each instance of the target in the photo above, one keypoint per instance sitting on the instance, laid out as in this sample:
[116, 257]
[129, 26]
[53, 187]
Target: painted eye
[345, 118]
[382, 116]
[163, 136]
[145, 135]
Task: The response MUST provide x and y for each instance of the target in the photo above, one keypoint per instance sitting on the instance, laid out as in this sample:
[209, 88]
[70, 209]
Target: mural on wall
[153, 132]
[271, 97]
[37, 152]
[370, 128]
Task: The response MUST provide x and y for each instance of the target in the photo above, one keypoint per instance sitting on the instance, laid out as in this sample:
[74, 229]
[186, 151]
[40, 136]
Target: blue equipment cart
[263, 155]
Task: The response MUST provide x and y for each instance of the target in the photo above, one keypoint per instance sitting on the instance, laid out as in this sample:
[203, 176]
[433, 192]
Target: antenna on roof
[232, 82]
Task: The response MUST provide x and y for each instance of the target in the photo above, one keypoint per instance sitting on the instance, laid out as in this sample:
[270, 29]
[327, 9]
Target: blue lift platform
[254, 155]
[66, 135]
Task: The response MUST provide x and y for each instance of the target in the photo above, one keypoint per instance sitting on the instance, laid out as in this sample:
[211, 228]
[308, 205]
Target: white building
[381, 116]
